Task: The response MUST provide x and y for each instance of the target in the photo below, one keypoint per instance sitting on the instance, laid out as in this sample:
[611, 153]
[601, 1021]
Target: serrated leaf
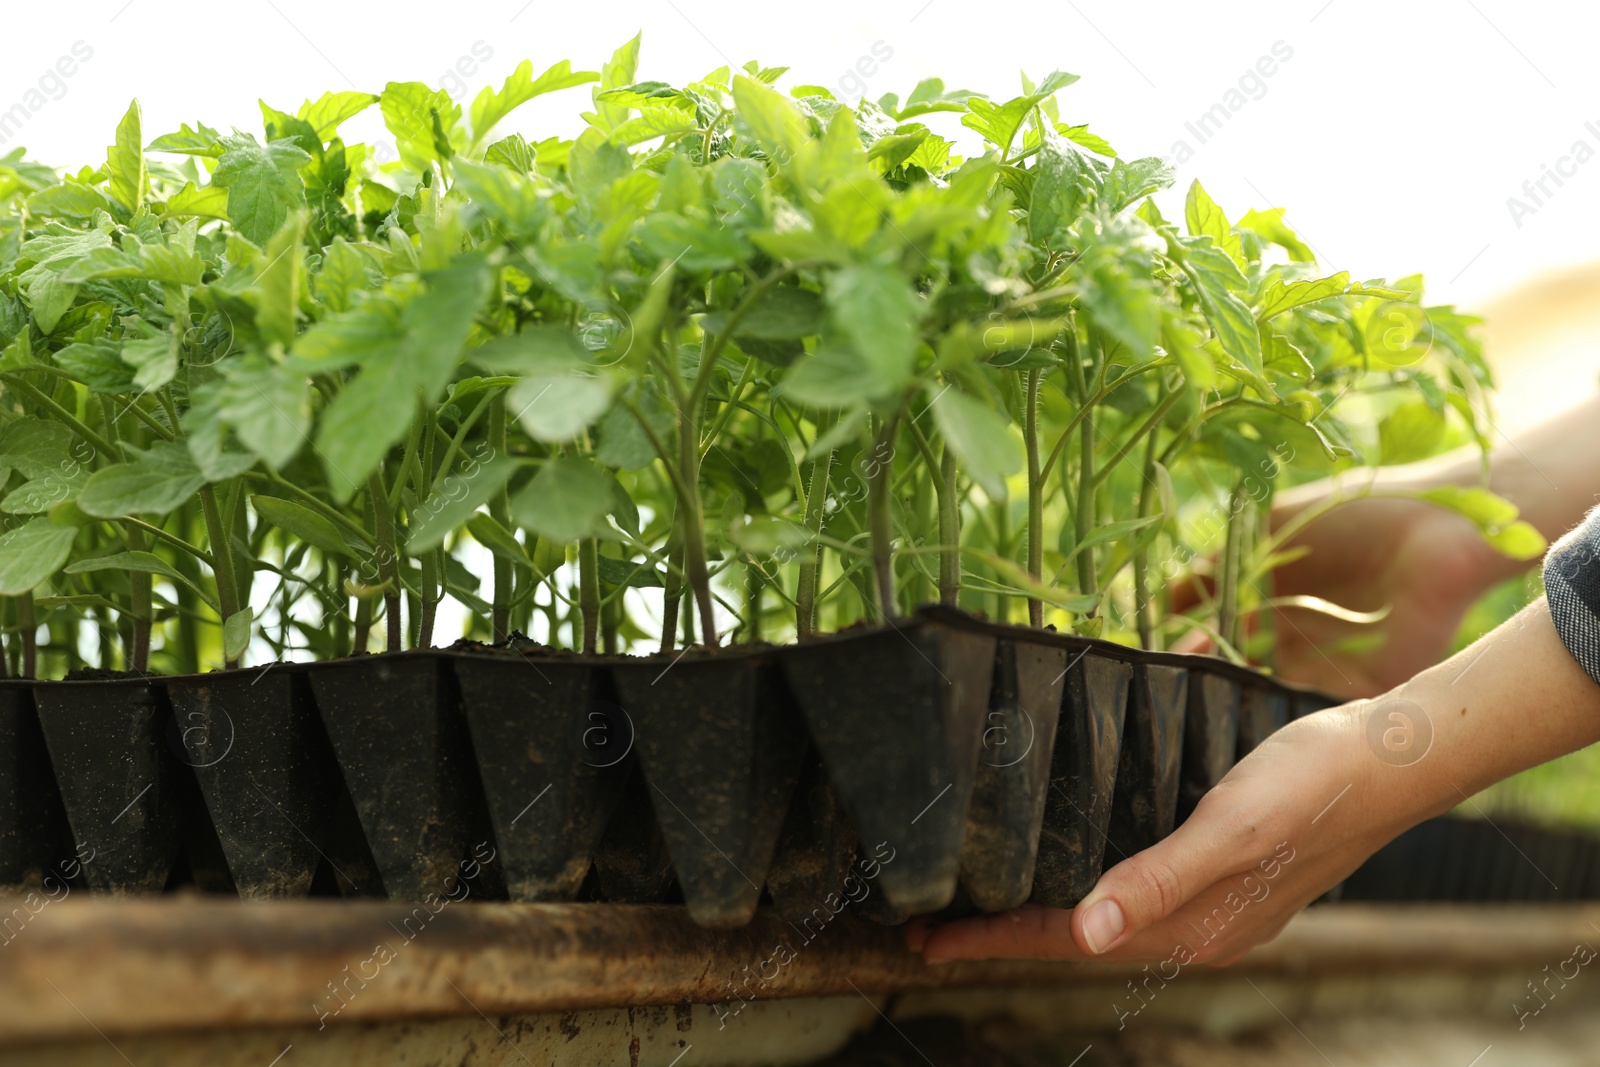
[1205, 218]
[263, 183]
[71, 200]
[490, 106]
[331, 109]
[209, 202]
[125, 162]
[1281, 297]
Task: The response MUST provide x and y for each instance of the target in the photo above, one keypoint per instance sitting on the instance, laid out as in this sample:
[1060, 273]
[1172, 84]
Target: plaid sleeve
[1572, 587]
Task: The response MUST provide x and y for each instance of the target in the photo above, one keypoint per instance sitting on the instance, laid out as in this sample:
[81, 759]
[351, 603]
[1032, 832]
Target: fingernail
[1102, 925]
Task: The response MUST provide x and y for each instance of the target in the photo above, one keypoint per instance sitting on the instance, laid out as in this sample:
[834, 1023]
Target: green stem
[949, 530]
[388, 558]
[754, 583]
[673, 594]
[1143, 607]
[30, 635]
[1030, 437]
[139, 589]
[38, 396]
[1228, 584]
[500, 508]
[805, 594]
[589, 591]
[1083, 510]
[881, 517]
[694, 534]
[221, 558]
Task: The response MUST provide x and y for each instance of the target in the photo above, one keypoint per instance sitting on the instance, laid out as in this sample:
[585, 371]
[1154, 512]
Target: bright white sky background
[1394, 134]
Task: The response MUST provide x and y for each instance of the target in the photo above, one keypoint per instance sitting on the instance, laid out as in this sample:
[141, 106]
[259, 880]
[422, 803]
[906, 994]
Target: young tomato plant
[735, 363]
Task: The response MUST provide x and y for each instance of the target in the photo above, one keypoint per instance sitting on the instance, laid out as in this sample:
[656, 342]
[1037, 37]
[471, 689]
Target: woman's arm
[1302, 811]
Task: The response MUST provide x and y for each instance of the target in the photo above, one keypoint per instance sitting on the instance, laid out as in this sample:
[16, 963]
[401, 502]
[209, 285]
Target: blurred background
[1456, 138]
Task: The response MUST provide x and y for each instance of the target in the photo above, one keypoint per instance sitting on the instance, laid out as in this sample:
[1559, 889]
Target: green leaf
[1111, 531]
[44, 492]
[782, 313]
[489, 107]
[332, 109]
[1519, 540]
[1205, 218]
[454, 501]
[210, 202]
[1410, 432]
[1061, 187]
[1231, 321]
[142, 562]
[488, 532]
[276, 291]
[505, 197]
[768, 534]
[303, 524]
[777, 123]
[623, 443]
[640, 575]
[71, 200]
[263, 183]
[32, 553]
[154, 361]
[125, 162]
[409, 110]
[202, 140]
[158, 482]
[98, 365]
[568, 500]
[51, 297]
[1269, 224]
[877, 311]
[36, 448]
[981, 438]
[360, 426]
[557, 406]
[268, 405]
[1486, 510]
[1280, 297]
[236, 633]
[1128, 183]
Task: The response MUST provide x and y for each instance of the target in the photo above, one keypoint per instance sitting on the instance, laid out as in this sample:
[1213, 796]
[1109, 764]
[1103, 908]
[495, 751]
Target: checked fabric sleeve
[1572, 587]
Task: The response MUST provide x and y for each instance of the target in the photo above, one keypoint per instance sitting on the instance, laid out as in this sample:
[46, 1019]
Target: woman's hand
[1294, 818]
[1304, 809]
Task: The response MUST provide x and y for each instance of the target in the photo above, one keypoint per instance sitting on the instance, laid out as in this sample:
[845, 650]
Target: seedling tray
[943, 761]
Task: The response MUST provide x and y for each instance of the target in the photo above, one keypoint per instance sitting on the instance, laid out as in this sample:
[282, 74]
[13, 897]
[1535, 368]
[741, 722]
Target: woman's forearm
[1513, 700]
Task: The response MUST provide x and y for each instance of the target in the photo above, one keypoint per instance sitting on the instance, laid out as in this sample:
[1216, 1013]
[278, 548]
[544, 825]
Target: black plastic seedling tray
[941, 761]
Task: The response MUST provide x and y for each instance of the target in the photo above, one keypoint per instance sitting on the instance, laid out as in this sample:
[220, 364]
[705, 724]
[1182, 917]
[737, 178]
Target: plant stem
[805, 594]
[139, 586]
[500, 509]
[1228, 583]
[30, 635]
[388, 559]
[1030, 437]
[949, 530]
[221, 558]
[589, 591]
[754, 583]
[694, 534]
[38, 396]
[363, 625]
[1143, 608]
[881, 517]
[1083, 510]
[673, 594]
